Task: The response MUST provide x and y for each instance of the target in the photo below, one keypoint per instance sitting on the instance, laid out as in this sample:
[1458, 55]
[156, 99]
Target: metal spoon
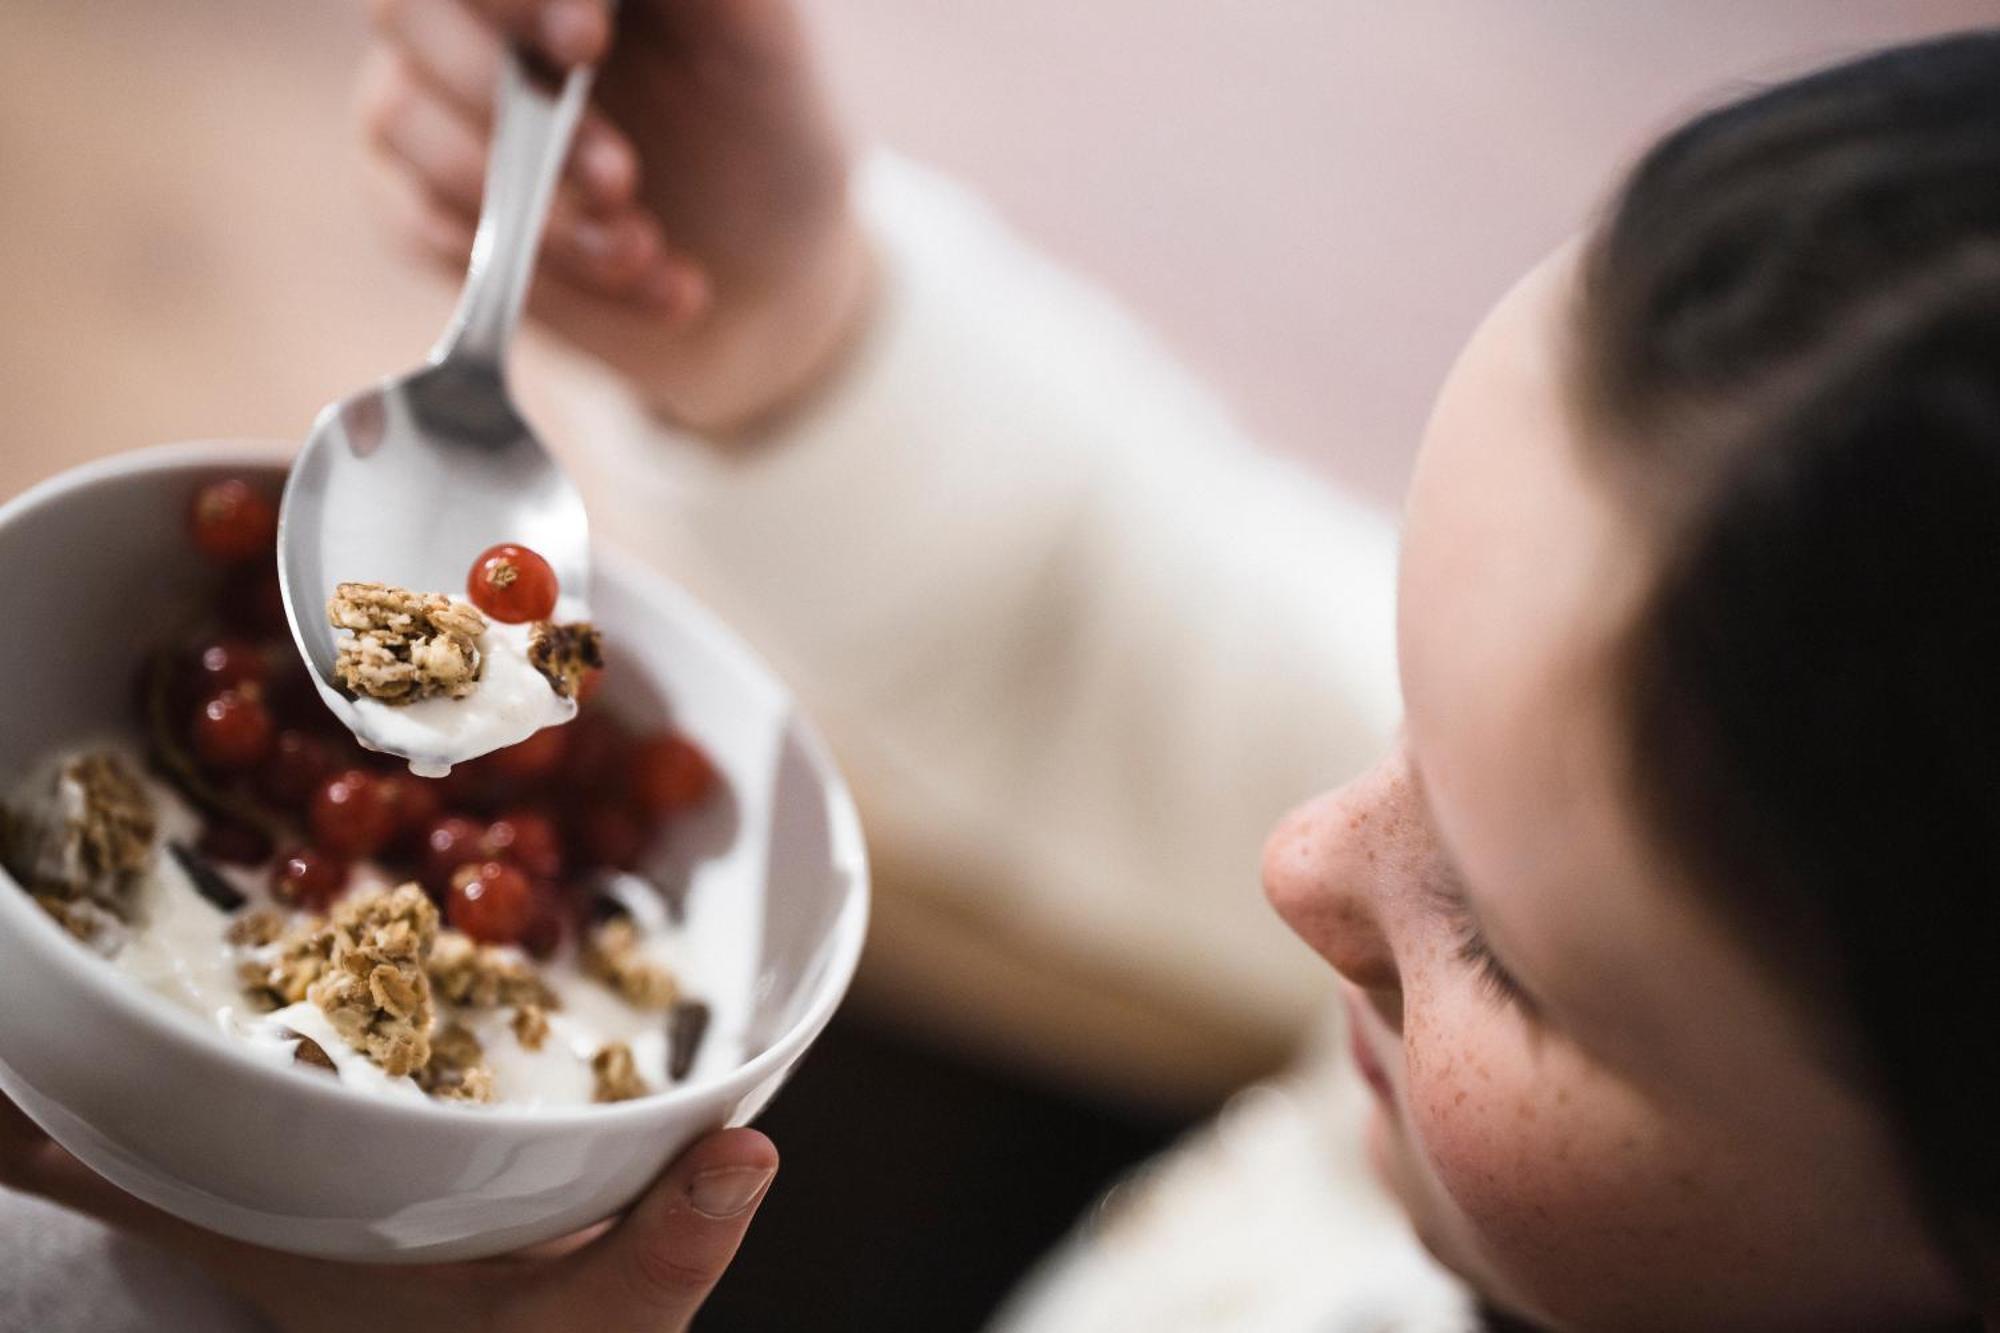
[407, 482]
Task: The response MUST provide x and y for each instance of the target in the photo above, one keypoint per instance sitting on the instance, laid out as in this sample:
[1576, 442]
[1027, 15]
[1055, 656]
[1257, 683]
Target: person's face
[1594, 1103]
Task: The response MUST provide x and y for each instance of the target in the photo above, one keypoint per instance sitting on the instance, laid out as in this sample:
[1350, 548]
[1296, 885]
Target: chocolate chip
[686, 1026]
[310, 1052]
[208, 881]
[608, 907]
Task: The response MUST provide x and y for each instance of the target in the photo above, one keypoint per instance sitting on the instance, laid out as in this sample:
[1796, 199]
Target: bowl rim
[160, 1018]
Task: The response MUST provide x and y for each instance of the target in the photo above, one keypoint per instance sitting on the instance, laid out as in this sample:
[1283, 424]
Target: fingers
[439, 55]
[569, 32]
[33, 1163]
[455, 49]
[654, 1270]
[583, 262]
[417, 133]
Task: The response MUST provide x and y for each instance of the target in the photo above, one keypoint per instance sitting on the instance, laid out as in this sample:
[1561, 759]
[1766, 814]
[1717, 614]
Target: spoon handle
[531, 138]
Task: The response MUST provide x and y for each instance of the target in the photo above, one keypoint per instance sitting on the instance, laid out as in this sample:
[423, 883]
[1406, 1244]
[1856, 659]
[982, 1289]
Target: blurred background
[1311, 200]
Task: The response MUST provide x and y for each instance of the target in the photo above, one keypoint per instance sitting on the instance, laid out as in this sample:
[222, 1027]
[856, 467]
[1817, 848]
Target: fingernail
[569, 29]
[727, 1190]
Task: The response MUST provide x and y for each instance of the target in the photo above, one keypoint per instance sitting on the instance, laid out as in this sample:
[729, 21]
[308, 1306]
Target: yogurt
[512, 702]
[177, 945]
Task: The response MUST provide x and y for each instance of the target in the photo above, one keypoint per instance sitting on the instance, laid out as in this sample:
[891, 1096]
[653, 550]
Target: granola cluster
[283, 961]
[611, 954]
[563, 653]
[531, 1026]
[616, 1075]
[478, 976]
[457, 1071]
[83, 843]
[375, 989]
[379, 969]
[403, 646]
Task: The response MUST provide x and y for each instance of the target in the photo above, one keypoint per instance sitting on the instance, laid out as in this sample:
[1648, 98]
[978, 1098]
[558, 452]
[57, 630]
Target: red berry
[531, 760]
[233, 521]
[611, 836]
[597, 749]
[350, 816]
[512, 584]
[308, 878]
[234, 844]
[226, 663]
[448, 844]
[298, 764]
[586, 688]
[234, 730]
[465, 787]
[251, 600]
[290, 692]
[413, 801]
[545, 931]
[670, 773]
[491, 901]
[528, 839]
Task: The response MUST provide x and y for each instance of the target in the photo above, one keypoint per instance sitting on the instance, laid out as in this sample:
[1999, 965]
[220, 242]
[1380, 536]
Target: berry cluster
[505, 843]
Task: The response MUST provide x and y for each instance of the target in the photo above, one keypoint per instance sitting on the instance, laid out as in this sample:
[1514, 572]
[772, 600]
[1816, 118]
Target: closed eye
[1493, 975]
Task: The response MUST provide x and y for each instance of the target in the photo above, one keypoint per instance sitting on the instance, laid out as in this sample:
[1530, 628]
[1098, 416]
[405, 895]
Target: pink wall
[1314, 199]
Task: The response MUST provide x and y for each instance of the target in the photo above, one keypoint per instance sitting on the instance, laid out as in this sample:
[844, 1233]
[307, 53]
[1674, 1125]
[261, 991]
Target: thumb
[654, 1269]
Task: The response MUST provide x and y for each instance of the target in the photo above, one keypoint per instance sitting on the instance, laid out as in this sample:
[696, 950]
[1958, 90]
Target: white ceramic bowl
[168, 1108]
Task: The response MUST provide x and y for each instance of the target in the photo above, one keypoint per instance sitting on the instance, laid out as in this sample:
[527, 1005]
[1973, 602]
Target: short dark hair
[1788, 360]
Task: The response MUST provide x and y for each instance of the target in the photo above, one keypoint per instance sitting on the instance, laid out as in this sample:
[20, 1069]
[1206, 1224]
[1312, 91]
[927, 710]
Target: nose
[1326, 868]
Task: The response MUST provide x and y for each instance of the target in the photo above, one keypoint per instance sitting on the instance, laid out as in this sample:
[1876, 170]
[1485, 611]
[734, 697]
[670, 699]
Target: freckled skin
[1657, 1150]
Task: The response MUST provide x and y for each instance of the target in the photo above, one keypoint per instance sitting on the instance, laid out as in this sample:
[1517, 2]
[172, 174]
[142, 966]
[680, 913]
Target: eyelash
[1495, 979]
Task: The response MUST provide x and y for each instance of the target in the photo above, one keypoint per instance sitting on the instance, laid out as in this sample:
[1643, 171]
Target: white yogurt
[512, 702]
[177, 948]
[178, 951]
[274, 1037]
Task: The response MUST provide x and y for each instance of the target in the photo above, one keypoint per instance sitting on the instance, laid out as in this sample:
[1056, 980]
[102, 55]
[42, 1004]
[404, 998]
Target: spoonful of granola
[402, 486]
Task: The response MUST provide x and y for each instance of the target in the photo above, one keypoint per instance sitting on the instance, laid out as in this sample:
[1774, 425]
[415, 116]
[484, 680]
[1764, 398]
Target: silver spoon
[407, 482]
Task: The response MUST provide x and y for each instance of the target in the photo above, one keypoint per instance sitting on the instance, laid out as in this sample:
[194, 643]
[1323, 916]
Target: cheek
[1552, 1186]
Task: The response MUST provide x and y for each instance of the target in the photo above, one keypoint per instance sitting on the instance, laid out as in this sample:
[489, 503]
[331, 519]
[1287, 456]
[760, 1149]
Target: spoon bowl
[407, 482]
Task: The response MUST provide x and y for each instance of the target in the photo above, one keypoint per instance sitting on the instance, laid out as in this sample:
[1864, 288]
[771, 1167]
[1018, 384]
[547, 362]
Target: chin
[1388, 1158]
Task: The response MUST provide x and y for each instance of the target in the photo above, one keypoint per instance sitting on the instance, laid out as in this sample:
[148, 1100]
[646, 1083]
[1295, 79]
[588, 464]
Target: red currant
[533, 759]
[252, 601]
[596, 757]
[308, 878]
[413, 801]
[234, 730]
[528, 839]
[290, 690]
[670, 773]
[234, 844]
[350, 816]
[448, 844]
[491, 901]
[233, 521]
[610, 836]
[226, 663]
[512, 584]
[545, 931]
[298, 764]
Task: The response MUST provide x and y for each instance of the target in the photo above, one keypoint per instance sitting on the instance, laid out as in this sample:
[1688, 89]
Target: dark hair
[1789, 362]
